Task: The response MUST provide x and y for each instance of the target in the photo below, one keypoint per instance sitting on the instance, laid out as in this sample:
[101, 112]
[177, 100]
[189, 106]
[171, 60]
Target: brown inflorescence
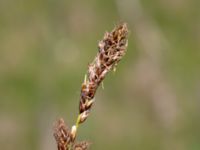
[62, 135]
[111, 50]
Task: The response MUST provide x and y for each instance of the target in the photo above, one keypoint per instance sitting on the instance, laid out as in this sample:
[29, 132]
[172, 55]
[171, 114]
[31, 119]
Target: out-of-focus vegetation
[151, 102]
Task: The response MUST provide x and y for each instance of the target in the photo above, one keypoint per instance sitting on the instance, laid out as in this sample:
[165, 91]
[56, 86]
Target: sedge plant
[111, 49]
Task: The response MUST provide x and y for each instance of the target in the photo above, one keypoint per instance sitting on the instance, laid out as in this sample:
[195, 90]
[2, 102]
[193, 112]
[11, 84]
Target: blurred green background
[152, 101]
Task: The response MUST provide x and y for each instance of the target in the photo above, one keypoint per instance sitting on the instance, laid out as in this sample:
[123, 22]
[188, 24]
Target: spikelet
[62, 135]
[111, 50]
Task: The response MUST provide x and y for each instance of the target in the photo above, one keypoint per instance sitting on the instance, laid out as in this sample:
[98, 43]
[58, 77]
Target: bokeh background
[152, 101]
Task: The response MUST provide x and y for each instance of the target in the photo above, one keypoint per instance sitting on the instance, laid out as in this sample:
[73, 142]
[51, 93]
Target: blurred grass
[151, 102]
